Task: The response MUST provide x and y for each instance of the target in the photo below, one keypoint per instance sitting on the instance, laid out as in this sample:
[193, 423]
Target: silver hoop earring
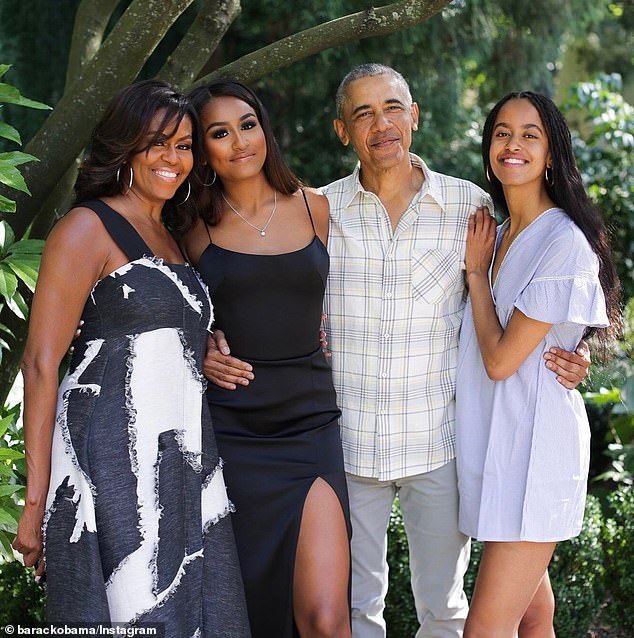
[213, 180]
[549, 176]
[189, 192]
[131, 176]
[486, 172]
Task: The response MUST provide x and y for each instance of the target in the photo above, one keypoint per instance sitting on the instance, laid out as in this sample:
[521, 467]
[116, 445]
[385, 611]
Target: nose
[240, 142]
[170, 154]
[513, 142]
[381, 122]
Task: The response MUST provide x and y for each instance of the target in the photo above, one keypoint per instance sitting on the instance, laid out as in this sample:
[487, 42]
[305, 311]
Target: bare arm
[503, 351]
[71, 263]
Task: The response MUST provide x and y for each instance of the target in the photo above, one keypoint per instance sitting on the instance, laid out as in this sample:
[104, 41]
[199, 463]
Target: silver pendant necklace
[262, 230]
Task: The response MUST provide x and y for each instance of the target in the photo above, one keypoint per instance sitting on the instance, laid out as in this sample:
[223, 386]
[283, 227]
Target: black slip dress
[280, 433]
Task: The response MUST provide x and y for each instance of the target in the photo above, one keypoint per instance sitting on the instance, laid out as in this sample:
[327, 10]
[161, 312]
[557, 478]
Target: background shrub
[21, 598]
[619, 545]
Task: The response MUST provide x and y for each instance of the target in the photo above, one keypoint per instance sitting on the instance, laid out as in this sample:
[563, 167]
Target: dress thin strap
[208, 233]
[312, 223]
[120, 229]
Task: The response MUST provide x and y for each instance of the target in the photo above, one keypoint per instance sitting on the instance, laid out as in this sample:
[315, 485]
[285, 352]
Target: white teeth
[512, 160]
[167, 174]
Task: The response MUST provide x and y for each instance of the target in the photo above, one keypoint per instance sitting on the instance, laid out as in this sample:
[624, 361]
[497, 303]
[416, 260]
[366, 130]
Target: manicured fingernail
[38, 579]
[225, 350]
[550, 365]
[548, 356]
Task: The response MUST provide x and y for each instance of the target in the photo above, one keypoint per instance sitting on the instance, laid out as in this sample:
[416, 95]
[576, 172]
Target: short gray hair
[371, 69]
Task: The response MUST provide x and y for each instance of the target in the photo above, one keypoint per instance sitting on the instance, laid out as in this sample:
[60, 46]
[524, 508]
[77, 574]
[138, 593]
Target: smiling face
[378, 118]
[160, 169]
[519, 152]
[235, 146]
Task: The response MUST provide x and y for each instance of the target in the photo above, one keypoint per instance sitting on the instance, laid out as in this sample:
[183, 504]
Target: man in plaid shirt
[394, 304]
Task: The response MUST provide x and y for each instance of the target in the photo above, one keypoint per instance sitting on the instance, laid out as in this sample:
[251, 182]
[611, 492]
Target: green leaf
[6, 490]
[6, 550]
[28, 247]
[7, 236]
[25, 272]
[11, 95]
[6, 330]
[8, 520]
[6, 470]
[5, 423]
[18, 305]
[8, 282]
[7, 453]
[5, 345]
[6, 205]
[12, 177]
[15, 158]
[10, 133]
[4, 68]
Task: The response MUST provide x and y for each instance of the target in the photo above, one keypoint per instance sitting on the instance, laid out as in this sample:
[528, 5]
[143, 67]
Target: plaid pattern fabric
[394, 305]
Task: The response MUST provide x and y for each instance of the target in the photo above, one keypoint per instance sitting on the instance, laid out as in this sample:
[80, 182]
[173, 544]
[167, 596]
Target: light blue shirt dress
[523, 444]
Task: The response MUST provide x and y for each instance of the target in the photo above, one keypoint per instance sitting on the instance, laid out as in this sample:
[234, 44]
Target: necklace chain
[262, 230]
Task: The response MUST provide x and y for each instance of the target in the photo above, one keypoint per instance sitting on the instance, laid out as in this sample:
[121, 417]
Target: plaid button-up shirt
[394, 305]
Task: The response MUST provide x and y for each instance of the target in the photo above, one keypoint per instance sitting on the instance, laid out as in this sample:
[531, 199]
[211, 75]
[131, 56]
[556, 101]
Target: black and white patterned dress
[137, 527]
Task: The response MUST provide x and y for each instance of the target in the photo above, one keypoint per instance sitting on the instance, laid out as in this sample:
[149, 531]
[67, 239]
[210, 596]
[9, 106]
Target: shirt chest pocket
[436, 274]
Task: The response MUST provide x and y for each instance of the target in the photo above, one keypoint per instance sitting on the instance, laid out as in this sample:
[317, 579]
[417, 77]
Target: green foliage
[12, 478]
[604, 147]
[21, 598]
[578, 576]
[19, 260]
[400, 611]
[576, 572]
[619, 542]
[611, 404]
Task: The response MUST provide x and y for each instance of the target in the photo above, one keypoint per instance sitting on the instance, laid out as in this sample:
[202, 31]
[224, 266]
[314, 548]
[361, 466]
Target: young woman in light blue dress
[545, 279]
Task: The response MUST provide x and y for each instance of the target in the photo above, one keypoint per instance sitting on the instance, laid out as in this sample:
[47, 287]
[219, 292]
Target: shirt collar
[431, 185]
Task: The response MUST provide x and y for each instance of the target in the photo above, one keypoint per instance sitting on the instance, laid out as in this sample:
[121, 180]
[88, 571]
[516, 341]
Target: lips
[243, 157]
[166, 173]
[383, 142]
[513, 161]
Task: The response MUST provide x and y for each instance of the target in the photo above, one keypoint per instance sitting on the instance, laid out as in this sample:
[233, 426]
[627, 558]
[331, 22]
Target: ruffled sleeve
[574, 298]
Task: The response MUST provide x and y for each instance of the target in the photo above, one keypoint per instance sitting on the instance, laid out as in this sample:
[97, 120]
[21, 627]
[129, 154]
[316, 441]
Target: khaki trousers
[439, 553]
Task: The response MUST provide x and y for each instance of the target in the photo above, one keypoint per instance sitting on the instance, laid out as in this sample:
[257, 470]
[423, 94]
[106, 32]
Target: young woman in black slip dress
[124, 476]
[260, 248]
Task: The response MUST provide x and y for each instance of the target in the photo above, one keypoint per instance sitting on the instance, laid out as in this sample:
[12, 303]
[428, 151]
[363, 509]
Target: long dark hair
[208, 198]
[122, 133]
[567, 191]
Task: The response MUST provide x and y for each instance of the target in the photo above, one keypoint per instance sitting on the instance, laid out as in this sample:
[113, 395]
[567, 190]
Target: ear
[415, 114]
[341, 131]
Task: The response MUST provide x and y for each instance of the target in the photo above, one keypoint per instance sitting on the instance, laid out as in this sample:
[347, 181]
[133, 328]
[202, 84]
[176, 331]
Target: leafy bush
[619, 544]
[21, 598]
[576, 572]
[577, 575]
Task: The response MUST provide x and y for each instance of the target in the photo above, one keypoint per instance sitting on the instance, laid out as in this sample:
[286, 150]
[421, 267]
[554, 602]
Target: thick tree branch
[91, 20]
[190, 56]
[365, 24]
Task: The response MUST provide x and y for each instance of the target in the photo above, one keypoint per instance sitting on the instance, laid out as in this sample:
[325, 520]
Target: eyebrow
[525, 126]
[152, 134]
[363, 107]
[244, 117]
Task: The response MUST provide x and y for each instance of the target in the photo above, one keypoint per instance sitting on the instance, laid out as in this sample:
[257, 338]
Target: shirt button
[386, 335]
[388, 295]
[384, 375]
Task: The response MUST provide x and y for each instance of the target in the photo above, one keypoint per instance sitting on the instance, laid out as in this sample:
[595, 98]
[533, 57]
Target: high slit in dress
[281, 432]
